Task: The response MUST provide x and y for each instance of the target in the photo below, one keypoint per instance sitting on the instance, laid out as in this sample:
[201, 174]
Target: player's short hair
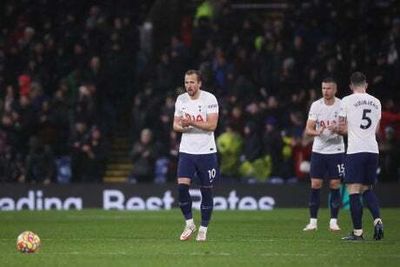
[358, 78]
[196, 72]
[329, 80]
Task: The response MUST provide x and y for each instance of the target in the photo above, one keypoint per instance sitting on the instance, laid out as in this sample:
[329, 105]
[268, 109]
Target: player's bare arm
[311, 128]
[342, 126]
[378, 126]
[209, 125]
[178, 125]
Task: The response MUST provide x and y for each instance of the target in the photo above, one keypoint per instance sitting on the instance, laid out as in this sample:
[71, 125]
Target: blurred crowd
[70, 71]
[65, 69]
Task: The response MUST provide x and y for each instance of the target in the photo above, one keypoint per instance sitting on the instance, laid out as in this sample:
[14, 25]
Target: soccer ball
[28, 242]
[305, 166]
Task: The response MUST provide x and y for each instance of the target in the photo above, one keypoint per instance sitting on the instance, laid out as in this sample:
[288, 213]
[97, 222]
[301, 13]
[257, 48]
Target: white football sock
[203, 229]
[358, 232]
[377, 220]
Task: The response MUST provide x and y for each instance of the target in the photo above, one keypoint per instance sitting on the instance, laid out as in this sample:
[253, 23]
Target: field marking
[172, 239]
[274, 254]
[85, 253]
[224, 254]
[141, 239]
[200, 254]
[125, 253]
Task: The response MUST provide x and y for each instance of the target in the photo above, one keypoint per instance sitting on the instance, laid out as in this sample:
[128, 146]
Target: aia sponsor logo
[194, 118]
[327, 123]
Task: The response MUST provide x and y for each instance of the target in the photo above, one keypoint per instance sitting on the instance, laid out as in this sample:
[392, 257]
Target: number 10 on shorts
[211, 174]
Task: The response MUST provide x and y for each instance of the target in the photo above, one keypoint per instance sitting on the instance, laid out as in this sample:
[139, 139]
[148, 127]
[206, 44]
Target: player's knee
[334, 184]
[183, 180]
[365, 188]
[316, 183]
[354, 188]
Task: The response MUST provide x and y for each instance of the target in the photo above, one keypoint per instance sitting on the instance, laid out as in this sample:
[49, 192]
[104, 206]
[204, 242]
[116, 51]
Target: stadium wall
[163, 197]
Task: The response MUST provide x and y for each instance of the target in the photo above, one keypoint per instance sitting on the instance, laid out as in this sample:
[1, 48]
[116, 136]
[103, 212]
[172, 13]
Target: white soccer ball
[28, 242]
[305, 166]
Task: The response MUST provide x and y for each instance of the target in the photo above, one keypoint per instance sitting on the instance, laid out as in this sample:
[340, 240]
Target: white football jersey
[324, 116]
[363, 113]
[197, 141]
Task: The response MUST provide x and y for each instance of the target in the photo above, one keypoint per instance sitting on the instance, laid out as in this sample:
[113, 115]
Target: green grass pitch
[235, 238]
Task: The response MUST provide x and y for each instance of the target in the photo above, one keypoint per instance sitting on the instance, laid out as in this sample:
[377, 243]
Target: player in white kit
[327, 153]
[360, 116]
[196, 117]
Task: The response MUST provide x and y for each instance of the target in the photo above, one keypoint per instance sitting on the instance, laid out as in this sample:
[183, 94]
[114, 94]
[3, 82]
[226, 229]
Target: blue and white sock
[185, 201]
[372, 203]
[356, 211]
[207, 205]
[335, 202]
[314, 202]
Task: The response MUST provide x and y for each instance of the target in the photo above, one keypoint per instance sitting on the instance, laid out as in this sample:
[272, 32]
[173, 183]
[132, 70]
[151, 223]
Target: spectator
[390, 157]
[78, 141]
[40, 164]
[255, 166]
[272, 145]
[10, 166]
[237, 55]
[229, 145]
[143, 158]
[94, 157]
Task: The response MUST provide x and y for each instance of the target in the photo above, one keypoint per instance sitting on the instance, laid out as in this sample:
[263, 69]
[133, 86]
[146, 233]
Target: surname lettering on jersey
[366, 102]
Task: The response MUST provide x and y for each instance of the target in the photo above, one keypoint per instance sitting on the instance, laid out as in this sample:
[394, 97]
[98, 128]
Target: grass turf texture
[235, 238]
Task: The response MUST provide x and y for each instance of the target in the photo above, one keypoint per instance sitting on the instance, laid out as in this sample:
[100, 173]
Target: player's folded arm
[342, 125]
[209, 125]
[177, 125]
[311, 128]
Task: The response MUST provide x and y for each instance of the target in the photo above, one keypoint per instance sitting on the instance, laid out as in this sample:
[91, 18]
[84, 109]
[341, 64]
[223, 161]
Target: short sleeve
[312, 114]
[212, 105]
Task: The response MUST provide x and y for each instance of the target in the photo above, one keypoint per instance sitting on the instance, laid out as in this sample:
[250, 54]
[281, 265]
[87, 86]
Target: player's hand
[342, 128]
[320, 130]
[185, 122]
[333, 128]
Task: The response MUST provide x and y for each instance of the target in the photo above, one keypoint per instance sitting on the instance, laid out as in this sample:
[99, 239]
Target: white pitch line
[273, 254]
[226, 254]
[125, 253]
[84, 253]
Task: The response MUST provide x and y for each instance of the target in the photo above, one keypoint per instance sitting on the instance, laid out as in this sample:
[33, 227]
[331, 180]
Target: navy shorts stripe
[204, 167]
[361, 168]
[327, 165]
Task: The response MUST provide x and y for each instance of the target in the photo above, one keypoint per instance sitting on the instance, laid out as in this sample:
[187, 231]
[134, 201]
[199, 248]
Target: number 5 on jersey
[367, 119]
